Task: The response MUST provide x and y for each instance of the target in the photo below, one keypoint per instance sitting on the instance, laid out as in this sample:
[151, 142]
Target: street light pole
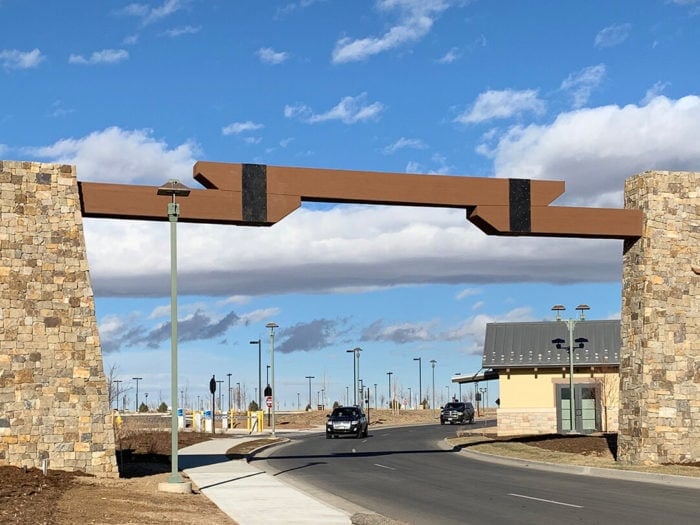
[229, 392]
[310, 378]
[420, 379]
[221, 394]
[117, 381]
[272, 327]
[355, 373]
[354, 376]
[571, 324]
[390, 403]
[432, 362]
[137, 379]
[259, 343]
[173, 188]
[375, 396]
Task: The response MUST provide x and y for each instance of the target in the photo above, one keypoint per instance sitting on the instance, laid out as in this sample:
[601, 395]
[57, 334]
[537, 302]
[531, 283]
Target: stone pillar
[53, 394]
[660, 355]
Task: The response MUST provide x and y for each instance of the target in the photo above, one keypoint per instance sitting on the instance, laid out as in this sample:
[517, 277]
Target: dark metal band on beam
[519, 205]
[254, 193]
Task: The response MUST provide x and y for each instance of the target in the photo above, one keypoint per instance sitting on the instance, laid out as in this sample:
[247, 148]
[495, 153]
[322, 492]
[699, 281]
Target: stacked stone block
[660, 357]
[53, 393]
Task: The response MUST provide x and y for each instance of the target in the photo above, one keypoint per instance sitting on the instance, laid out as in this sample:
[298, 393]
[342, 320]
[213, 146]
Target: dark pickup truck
[457, 412]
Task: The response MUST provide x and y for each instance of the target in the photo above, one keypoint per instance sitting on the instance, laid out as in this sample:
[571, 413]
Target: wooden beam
[260, 195]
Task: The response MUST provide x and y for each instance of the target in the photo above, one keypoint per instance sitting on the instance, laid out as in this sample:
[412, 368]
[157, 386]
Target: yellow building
[533, 365]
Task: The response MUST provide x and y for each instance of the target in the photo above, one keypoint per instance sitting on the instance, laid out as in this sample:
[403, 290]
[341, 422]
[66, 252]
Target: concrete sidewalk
[247, 494]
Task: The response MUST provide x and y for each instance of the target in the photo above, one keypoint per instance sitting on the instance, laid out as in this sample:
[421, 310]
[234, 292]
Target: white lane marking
[383, 466]
[547, 501]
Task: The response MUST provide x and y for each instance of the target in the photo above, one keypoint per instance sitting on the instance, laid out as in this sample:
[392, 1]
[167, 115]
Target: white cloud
[185, 30]
[502, 104]
[270, 56]
[403, 143]
[595, 149]
[14, 59]
[149, 15]
[416, 18]
[612, 35]
[236, 128]
[122, 156]
[474, 328]
[468, 292]
[582, 83]
[106, 56]
[450, 56]
[654, 91]
[350, 110]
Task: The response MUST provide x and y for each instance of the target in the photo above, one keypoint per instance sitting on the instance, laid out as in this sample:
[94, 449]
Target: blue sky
[586, 92]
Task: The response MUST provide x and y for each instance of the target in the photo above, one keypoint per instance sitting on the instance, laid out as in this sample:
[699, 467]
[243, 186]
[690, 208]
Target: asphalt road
[404, 474]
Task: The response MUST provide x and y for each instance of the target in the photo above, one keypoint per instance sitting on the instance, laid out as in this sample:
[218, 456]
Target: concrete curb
[581, 470]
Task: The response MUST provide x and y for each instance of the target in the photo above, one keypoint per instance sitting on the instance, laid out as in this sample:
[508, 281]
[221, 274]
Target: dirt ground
[63, 498]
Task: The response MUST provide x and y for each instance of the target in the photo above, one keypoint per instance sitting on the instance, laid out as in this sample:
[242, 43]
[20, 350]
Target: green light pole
[571, 324]
[173, 188]
[272, 327]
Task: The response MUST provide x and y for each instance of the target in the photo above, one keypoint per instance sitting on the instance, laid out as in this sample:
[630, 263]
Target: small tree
[143, 407]
[308, 407]
[335, 405]
[253, 406]
[163, 407]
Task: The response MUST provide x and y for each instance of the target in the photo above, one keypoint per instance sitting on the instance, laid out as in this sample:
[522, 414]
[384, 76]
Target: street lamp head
[558, 308]
[582, 308]
[255, 342]
[174, 188]
[417, 359]
[432, 362]
[271, 326]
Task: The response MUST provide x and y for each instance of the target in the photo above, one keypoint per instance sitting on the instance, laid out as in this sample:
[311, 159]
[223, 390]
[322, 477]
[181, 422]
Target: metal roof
[516, 345]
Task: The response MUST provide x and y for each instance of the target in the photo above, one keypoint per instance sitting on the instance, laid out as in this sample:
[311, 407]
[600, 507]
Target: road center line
[547, 501]
[383, 466]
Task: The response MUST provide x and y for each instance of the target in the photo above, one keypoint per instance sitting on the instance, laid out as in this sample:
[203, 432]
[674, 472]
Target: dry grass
[528, 452]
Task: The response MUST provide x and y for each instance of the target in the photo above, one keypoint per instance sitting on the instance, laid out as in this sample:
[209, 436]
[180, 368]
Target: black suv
[347, 420]
[457, 412]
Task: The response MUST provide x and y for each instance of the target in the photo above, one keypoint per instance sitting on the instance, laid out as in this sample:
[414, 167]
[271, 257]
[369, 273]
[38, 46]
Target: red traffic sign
[268, 401]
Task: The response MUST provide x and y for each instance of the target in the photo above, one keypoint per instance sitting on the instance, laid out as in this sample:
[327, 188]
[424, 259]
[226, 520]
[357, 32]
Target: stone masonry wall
[53, 393]
[526, 421]
[660, 358]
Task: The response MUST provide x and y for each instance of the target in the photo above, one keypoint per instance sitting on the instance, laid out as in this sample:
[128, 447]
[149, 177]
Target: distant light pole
[298, 402]
[310, 378]
[420, 379]
[410, 398]
[259, 343]
[571, 324]
[146, 394]
[432, 362]
[447, 399]
[375, 396]
[117, 381]
[391, 405]
[237, 401]
[221, 394]
[460, 386]
[355, 372]
[272, 327]
[137, 379]
[172, 189]
[229, 392]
